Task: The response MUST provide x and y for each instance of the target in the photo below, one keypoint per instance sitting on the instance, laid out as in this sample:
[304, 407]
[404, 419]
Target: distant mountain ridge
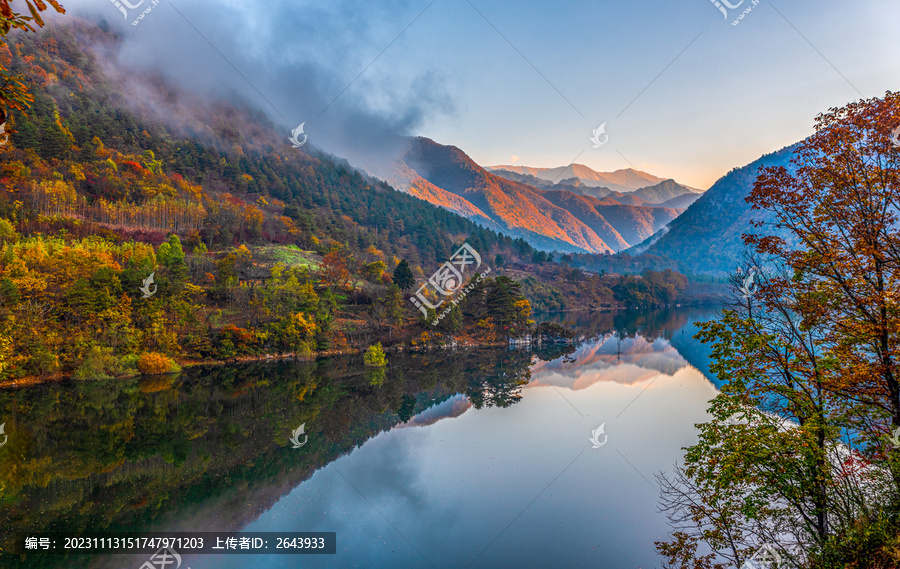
[663, 191]
[624, 180]
[570, 184]
[657, 195]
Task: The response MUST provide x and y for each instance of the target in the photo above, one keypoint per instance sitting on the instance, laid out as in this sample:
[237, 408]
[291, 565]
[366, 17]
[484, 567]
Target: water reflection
[474, 458]
[678, 326]
[611, 358]
[512, 487]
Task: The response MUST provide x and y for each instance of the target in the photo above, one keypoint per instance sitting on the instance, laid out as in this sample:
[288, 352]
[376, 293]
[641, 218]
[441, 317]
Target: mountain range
[667, 193]
[705, 238]
[567, 209]
[551, 216]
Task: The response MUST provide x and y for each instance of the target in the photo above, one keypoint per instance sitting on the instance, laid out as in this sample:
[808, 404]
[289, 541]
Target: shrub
[150, 363]
[99, 363]
[236, 341]
[374, 356]
[133, 165]
[340, 341]
[128, 363]
[42, 362]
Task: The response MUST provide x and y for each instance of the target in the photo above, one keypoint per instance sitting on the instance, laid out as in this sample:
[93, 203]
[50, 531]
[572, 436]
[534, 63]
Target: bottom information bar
[254, 543]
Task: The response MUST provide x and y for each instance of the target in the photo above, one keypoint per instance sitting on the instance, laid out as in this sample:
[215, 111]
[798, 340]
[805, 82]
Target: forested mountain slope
[706, 239]
[119, 148]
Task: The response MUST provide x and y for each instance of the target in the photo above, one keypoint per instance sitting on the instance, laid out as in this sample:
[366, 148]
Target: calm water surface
[467, 458]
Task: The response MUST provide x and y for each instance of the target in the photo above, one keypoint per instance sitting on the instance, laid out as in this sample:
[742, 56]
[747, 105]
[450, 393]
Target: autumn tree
[807, 355]
[335, 270]
[373, 271]
[14, 94]
[763, 469]
[230, 269]
[834, 226]
[10, 20]
[498, 307]
[387, 310]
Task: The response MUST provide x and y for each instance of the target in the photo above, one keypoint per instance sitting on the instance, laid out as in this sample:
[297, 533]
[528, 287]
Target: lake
[480, 458]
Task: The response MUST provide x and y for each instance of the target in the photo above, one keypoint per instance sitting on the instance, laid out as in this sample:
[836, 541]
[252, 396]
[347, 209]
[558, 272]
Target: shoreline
[30, 381]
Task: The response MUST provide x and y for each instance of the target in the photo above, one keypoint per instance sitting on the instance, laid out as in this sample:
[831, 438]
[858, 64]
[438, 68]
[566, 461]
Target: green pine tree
[403, 276]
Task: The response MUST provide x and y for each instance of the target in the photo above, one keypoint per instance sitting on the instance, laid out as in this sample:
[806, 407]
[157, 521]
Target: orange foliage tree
[335, 270]
[796, 454]
[836, 220]
[13, 92]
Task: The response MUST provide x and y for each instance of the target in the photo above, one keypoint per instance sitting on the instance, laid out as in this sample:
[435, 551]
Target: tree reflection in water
[140, 454]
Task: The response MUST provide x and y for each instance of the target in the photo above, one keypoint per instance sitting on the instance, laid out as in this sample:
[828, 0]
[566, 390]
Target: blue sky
[683, 93]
